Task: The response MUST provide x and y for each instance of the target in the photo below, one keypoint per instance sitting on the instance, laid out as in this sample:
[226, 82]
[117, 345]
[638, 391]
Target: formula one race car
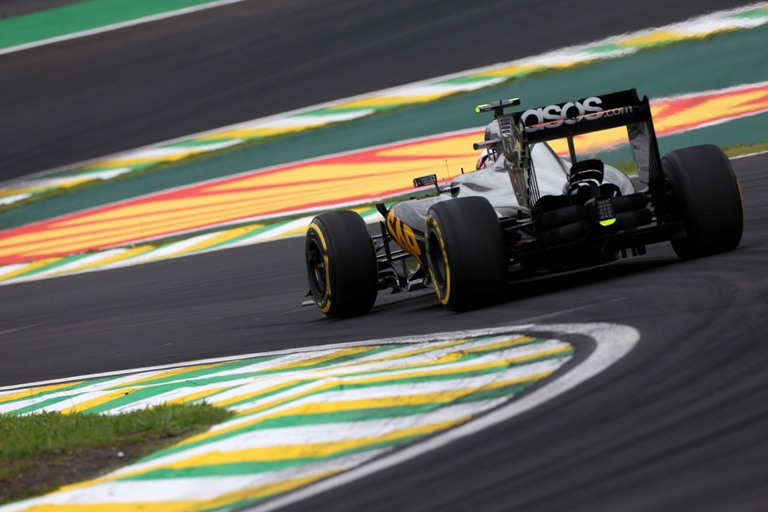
[526, 211]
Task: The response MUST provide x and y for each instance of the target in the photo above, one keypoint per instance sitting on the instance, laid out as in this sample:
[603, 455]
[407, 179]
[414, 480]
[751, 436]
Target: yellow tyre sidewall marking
[325, 305]
[442, 295]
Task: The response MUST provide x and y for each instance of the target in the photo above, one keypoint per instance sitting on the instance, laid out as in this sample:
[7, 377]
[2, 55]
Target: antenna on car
[497, 106]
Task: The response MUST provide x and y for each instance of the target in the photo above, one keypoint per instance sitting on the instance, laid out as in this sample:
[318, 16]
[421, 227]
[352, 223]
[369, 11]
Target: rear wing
[585, 115]
[591, 114]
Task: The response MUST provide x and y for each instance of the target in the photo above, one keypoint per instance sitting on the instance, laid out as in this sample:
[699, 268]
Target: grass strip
[41, 452]
[630, 169]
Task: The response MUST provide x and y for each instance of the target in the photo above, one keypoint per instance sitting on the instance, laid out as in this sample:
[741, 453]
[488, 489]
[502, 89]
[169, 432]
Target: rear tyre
[708, 200]
[341, 264]
[465, 253]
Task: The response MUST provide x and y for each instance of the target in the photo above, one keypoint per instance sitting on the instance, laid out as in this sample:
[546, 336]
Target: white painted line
[750, 154]
[105, 175]
[118, 26]
[14, 198]
[308, 120]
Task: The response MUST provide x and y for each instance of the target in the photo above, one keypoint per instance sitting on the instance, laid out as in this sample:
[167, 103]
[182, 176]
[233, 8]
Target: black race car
[525, 211]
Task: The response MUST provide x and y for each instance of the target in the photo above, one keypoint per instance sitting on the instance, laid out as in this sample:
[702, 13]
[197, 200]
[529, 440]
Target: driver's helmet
[489, 155]
[492, 131]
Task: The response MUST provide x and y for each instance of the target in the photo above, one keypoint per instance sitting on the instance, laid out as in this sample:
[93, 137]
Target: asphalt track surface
[678, 424]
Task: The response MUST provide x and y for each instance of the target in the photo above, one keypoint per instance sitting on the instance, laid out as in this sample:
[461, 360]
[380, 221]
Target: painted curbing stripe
[613, 343]
[122, 256]
[293, 448]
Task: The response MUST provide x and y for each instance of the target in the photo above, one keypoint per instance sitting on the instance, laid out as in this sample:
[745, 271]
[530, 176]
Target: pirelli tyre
[341, 264]
[465, 253]
[707, 198]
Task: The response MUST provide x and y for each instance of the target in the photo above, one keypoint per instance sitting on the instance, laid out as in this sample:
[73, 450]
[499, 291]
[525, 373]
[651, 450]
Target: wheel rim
[436, 260]
[317, 270]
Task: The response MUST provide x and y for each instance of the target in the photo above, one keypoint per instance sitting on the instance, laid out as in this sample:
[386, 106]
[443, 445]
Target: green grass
[40, 452]
[742, 149]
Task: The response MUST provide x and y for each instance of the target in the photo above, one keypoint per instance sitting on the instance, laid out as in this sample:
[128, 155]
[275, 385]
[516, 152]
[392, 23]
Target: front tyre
[465, 253]
[708, 200]
[341, 264]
